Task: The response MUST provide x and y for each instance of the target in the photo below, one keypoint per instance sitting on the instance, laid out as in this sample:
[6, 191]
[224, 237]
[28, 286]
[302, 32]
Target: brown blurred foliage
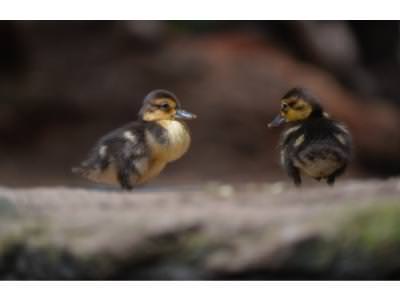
[64, 84]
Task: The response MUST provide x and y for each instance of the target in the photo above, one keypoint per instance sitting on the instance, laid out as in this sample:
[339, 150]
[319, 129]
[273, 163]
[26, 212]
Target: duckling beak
[184, 115]
[277, 121]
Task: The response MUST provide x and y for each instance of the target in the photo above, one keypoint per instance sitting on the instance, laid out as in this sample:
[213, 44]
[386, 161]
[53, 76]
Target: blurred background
[63, 84]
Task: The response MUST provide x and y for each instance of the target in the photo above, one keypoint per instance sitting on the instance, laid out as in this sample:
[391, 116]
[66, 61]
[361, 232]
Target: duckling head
[297, 105]
[163, 105]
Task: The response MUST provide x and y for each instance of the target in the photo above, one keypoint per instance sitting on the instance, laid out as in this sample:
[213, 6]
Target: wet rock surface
[216, 231]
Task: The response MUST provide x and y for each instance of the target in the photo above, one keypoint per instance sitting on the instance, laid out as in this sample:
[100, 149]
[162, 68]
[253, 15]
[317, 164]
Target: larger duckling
[139, 151]
[313, 144]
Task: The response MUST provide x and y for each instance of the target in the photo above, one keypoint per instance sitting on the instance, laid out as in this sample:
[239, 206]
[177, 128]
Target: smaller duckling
[139, 151]
[314, 144]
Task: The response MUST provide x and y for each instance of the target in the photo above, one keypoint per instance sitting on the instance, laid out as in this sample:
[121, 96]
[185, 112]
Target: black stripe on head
[160, 93]
[300, 92]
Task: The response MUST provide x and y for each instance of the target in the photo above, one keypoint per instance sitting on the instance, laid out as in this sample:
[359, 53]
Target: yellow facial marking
[160, 109]
[154, 115]
[299, 141]
[295, 109]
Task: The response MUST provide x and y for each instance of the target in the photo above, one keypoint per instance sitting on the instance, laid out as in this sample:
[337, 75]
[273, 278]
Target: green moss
[374, 228]
[361, 244]
[371, 239]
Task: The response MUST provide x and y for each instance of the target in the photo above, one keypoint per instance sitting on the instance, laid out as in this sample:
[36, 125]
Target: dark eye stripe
[299, 107]
[293, 105]
[164, 106]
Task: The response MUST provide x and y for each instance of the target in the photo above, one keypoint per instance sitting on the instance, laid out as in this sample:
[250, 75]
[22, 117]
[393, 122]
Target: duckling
[314, 144]
[139, 151]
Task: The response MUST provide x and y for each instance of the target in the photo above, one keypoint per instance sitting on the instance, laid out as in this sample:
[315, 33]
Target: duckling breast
[172, 142]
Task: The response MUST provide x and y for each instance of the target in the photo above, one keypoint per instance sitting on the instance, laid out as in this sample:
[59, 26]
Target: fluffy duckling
[139, 151]
[314, 144]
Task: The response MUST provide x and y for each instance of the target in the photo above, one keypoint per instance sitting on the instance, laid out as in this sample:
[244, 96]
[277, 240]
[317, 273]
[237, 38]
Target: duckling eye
[284, 106]
[164, 106]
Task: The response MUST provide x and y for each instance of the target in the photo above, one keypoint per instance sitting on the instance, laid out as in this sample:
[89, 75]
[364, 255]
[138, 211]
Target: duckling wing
[324, 152]
[319, 148]
[343, 137]
[118, 156]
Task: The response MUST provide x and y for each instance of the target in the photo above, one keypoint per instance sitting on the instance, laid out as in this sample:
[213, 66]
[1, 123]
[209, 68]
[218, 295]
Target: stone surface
[216, 231]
